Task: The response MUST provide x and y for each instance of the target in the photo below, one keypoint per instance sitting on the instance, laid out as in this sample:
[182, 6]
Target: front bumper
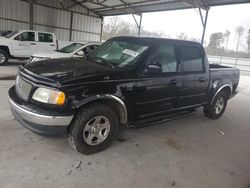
[41, 124]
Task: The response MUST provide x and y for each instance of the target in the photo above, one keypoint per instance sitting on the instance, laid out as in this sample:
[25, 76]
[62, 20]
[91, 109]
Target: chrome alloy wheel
[2, 58]
[96, 130]
[219, 105]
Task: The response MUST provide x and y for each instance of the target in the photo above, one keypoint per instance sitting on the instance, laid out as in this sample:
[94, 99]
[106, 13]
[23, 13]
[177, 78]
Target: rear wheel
[3, 57]
[93, 129]
[218, 106]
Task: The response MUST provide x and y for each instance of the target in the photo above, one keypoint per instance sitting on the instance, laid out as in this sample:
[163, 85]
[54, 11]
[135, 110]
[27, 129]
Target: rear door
[195, 76]
[46, 42]
[24, 44]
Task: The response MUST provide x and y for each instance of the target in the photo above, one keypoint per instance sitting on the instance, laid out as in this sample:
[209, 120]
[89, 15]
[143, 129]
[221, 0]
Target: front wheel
[218, 106]
[3, 57]
[93, 129]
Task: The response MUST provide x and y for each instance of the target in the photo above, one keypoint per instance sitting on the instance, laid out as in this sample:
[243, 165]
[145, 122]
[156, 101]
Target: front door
[24, 45]
[156, 92]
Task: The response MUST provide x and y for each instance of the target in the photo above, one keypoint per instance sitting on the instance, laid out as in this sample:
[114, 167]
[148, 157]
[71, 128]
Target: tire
[93, 129]
[3, 57]
[218, 107]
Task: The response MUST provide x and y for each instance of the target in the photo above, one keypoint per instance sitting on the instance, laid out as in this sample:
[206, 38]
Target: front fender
[123, 112]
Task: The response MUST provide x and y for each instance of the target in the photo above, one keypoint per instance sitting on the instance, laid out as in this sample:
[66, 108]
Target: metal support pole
[31, 16]
[71, 25]
[139, 27]
[204, 23]
[138, 24]
[101, 29]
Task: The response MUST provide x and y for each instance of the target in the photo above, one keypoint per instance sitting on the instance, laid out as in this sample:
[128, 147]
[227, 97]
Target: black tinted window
[192, 60]
[26, 36]
[87, 49]
[165, 58]
[45, 37]
[93, 47]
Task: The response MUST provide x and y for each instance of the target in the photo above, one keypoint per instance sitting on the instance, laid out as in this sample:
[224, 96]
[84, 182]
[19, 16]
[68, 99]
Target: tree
[239, 32]
[110, 23]
[115, 26]
[182, 36]
[248, 41]
[226, 36]
[146, 33]
[216, 40]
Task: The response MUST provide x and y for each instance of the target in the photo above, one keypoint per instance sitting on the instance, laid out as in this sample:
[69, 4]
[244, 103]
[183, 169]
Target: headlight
[49, 96]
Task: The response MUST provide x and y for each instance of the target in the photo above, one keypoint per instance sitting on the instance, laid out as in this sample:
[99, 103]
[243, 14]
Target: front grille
[23, 88]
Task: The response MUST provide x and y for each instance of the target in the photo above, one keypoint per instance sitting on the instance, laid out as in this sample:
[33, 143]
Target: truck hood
[51, 54]
[68, 69]
[4, 40]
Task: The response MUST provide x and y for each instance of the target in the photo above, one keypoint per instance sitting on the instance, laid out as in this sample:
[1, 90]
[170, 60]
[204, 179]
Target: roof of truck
[26, 30]
[157, 39]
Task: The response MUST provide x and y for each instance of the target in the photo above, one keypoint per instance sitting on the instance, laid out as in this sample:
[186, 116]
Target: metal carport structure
[137, 7]
[76, 20]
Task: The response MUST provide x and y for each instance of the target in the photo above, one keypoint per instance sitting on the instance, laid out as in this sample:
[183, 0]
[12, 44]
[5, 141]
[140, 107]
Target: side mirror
[153, 68]
[80, 53]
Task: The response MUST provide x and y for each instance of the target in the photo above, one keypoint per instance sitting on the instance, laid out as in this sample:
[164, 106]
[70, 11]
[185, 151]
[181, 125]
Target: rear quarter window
[192, 59]
[45, 37]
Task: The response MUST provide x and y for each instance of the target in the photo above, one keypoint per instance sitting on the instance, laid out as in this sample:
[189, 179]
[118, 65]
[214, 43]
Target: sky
[220, 19]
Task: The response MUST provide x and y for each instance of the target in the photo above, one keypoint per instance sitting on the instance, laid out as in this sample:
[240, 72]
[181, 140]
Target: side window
[93, 47]
[87, 49]
[26, 36]
[192, 60]
[45, 37]
[165, 58]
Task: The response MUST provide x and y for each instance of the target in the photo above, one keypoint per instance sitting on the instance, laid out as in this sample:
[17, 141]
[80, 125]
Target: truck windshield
[120, 53]
[70, 48]
[11, 34]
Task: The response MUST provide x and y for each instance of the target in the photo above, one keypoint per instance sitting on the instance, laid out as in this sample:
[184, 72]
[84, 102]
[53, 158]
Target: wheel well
[227, 90]
[115, 105]
[5, 49]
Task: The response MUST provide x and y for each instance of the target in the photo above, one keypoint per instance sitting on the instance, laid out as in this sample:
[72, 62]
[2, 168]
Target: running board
[162, 119]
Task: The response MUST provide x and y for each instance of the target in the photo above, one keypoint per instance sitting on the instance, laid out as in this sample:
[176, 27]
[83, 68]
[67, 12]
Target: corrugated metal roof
[120, 7]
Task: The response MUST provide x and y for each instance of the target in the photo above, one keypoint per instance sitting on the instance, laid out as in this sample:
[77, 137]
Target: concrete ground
[194, 152]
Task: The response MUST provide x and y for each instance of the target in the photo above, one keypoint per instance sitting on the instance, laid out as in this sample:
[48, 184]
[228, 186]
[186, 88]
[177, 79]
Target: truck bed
[217, 72]
[217, 66]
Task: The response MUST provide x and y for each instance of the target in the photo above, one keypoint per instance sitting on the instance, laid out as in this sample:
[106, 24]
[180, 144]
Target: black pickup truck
[126, 81]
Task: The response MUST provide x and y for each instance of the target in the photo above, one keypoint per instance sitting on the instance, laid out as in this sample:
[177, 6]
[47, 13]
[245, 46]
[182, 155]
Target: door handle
[202, 79]
[52, 45]
[173, 82]
[33, 43]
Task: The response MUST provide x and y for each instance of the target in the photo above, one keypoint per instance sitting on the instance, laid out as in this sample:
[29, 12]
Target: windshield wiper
[103, 61]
